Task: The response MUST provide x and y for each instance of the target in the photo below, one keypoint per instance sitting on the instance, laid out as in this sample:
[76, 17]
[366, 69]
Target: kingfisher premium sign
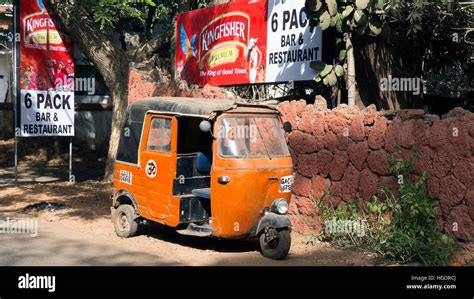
[46, 73]
[246, 42]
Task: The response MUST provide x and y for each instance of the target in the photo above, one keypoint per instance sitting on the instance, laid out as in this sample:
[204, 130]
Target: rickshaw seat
[203, 162]
[203, 193]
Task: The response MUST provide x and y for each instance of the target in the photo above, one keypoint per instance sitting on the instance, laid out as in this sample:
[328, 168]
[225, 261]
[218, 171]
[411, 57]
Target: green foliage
[346, 15]
[360, 16]
[342, 212]
[437, 31]
[204, 3]
[108, 13]
[451, 80]
[399, 228]
[327, 73]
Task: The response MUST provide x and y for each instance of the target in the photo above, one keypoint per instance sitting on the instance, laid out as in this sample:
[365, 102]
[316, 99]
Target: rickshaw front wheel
[275, 244]
[125, 224]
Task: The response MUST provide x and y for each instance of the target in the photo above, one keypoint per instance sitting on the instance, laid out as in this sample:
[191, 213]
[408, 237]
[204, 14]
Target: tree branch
[99, 48]
[146, 50]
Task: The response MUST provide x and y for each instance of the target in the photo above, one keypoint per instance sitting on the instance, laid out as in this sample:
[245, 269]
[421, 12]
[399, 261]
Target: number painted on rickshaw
[126, 177]
[285, 184]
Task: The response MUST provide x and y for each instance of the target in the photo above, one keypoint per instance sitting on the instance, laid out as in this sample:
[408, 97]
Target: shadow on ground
[41, 160]
[56, 246]
[86, 200]
[167, 234]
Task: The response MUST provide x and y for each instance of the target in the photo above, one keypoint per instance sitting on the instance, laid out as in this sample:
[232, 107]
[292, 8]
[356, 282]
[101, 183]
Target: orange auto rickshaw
[216, 168]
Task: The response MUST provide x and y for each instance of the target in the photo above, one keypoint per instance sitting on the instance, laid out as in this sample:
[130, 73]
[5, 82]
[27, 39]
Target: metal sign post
[16, 17]
[71, 178]
[44, 97]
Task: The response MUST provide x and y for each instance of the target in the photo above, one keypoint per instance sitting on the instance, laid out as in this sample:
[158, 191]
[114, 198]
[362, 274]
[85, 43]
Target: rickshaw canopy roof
[194, 107]
[187, 107]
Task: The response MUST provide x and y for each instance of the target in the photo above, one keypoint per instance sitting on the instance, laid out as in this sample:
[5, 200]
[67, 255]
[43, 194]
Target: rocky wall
[139, 87]
[344, 152]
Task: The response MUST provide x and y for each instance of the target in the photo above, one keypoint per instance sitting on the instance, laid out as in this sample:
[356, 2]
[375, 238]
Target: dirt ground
[87, 209]
[43, 157]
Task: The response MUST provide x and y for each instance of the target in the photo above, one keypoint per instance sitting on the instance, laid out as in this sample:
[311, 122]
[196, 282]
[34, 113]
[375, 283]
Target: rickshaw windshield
[251, 137]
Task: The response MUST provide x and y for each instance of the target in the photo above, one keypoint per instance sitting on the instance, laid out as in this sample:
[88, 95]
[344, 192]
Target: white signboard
[46, 73]
[290, 44]
[47, 113]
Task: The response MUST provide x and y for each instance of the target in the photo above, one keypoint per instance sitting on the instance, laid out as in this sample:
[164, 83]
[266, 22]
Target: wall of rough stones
[344, 151]
[139, 87]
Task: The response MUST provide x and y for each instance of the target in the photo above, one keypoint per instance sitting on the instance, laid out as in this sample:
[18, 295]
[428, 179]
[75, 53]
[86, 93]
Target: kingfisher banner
[245, 42]
[46, 73]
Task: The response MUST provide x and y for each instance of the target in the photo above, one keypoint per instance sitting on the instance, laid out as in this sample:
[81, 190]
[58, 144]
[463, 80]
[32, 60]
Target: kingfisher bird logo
[41, 5]
[187, 45]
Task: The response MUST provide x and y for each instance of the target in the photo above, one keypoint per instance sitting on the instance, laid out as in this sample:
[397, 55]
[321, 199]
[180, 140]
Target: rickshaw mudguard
[124, 193]
[273, 220]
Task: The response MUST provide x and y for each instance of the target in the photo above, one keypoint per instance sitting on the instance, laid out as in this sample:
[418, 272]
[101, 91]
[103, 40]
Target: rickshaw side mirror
[287, 127]
[205, 126]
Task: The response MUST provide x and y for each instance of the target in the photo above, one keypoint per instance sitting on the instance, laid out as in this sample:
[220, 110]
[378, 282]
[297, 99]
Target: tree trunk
[111, 62]
[381, 58]
[351, 74]
[119, 96]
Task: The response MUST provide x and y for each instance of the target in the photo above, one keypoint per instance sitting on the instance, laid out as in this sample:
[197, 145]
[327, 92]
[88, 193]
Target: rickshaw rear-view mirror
[205, 126]
[287, 127]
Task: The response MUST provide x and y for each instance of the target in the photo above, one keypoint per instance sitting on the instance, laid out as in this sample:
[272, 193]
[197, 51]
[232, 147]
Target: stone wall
[139, 87]
[344, 151]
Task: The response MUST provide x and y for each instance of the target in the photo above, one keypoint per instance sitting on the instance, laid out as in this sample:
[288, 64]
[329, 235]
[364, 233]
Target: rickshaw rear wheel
[275, 244]
[125, 224]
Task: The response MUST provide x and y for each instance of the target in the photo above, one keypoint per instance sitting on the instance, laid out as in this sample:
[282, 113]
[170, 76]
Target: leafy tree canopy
[438, 32]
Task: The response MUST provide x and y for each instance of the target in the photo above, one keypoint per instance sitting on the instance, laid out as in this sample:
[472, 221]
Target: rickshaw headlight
[279, 206]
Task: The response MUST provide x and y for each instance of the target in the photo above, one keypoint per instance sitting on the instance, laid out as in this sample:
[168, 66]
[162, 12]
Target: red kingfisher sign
[214, 44]
[245, 42]
[46, 73]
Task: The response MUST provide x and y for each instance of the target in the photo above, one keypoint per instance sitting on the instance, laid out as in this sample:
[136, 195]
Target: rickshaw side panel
[128, 178]
[152, 194]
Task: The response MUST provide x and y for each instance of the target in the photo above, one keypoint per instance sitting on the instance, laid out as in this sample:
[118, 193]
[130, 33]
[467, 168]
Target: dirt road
[84, 220]
[56, 245]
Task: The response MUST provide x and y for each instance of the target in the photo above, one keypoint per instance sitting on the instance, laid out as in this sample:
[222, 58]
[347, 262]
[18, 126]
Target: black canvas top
[184, 106]
[135, 115]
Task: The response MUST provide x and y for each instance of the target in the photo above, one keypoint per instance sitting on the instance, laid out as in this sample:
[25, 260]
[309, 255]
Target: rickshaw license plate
[285, 184]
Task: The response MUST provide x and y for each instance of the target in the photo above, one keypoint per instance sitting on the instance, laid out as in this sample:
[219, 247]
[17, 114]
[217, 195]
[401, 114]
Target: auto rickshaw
[215, 168]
